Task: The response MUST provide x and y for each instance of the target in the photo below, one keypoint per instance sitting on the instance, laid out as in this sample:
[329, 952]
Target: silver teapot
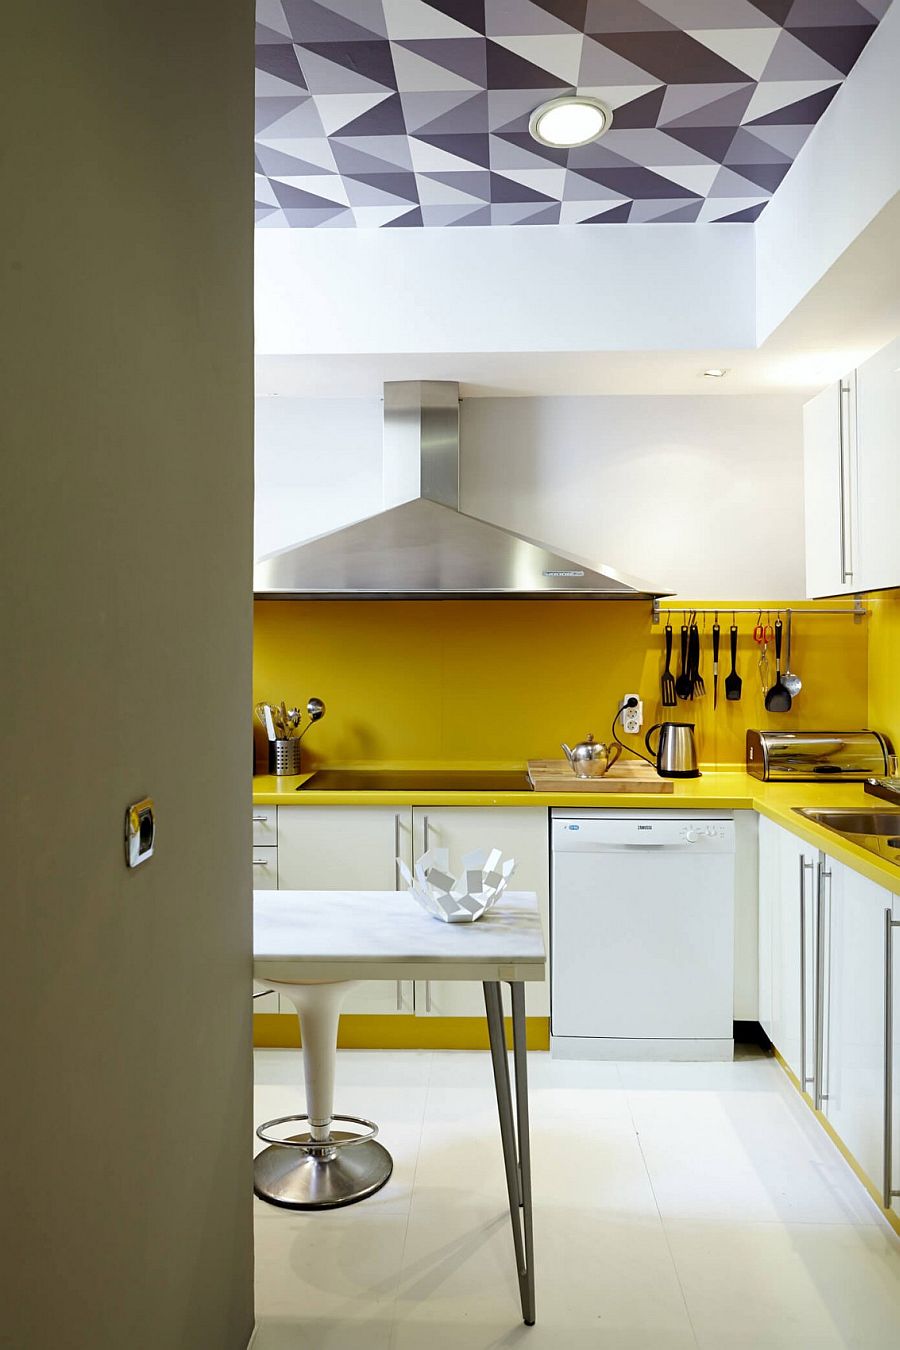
[590, 758]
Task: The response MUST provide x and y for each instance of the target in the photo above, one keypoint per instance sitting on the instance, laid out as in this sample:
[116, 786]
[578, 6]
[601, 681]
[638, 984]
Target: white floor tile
[746, 1156]
[314, 1332]
[789, 1286]
[458, 1281]
[336, 1267]
[675, 1206]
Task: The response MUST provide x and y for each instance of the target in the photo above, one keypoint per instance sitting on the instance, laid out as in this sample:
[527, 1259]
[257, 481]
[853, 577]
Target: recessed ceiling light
[574, 119]
[716, 372]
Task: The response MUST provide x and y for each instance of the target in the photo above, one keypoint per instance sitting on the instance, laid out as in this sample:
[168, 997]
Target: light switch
[140, 832]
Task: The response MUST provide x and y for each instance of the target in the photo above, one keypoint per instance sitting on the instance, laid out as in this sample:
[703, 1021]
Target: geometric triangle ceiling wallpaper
[375, 113]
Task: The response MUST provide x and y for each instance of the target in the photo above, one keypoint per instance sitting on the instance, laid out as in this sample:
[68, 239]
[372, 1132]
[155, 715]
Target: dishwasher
[642, 935]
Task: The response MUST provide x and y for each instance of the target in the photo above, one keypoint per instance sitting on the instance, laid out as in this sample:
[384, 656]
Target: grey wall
[125, 549]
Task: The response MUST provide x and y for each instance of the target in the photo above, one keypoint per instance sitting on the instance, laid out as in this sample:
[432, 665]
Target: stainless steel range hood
[421, 546]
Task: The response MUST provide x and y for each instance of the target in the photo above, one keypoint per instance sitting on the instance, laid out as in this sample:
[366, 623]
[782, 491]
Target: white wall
[703, 495]
[318, 465]
[544, 288]
[847, 171]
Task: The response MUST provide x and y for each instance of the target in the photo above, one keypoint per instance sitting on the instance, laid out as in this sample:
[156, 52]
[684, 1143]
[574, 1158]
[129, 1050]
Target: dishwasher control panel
[598, 833]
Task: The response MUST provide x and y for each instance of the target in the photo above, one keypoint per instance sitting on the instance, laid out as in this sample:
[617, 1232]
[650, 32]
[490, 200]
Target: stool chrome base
[296, 1179]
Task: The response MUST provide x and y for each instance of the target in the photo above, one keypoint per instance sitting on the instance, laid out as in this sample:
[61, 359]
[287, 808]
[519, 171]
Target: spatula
[667, 679]
[733, 681]
[778, 699]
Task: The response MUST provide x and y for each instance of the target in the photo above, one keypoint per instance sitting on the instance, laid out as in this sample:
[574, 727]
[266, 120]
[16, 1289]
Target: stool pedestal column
[323, 1167]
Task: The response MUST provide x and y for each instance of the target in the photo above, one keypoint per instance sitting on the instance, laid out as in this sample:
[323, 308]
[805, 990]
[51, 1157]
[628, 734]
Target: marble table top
[384, 935]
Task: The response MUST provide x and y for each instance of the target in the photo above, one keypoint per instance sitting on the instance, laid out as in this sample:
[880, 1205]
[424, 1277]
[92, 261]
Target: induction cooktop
[417, 780]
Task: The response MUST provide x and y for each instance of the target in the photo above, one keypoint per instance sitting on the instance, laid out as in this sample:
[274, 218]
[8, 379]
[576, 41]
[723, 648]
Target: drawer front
[264, 825]
[265, 869]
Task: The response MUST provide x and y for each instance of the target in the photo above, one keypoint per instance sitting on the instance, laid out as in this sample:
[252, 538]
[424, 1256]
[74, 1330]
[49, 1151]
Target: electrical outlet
[632, 718]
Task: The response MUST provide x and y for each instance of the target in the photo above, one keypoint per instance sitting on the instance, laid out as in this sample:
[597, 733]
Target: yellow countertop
[723, 790]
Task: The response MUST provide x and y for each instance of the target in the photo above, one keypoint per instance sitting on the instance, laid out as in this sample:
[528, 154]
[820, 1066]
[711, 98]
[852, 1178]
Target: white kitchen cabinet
[768, 901]
[892, 1182]
[852, 1089]
[265, 878]
[265, 827]
[519, 832]
[830, 480]
[851, 475]
[355, 848]
[333, 848]
[878, 436]
[787, 945]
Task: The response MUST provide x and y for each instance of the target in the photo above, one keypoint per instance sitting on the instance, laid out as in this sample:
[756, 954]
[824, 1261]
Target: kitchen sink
[878, 831]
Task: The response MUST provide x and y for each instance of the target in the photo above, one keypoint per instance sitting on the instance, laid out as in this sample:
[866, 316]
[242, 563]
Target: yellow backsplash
[504, 681]
[884, 663]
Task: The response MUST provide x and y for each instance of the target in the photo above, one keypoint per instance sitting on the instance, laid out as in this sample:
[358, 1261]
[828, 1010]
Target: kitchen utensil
[716, 632]
[684, 684]
[294, 716]
[792, 683]
[590, 758]
[284, 756]
[667, 680]
[733, 681]
[697, 686]
[778, 699]
[269, 722]
[763, 668]
[675, 750]
[315, 709]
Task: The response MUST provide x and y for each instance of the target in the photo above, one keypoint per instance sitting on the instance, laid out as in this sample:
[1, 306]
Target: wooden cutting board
[556, 775]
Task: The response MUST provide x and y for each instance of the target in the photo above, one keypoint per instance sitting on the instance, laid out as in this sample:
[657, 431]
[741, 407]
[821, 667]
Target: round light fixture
[574, 119]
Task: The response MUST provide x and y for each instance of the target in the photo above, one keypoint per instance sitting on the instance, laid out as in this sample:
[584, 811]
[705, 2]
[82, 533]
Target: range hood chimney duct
[421, 546]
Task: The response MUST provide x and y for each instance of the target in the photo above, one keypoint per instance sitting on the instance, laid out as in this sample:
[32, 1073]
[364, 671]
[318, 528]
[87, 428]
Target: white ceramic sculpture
[461, 899]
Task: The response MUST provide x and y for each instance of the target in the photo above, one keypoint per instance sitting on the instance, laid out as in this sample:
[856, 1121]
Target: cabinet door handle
[889, 1192]
[397, 861]
[424, 834]
[820, 1094]
[260, 862]
[260, 820]
[844, 444]
[805, 1078]
[399, 995]
[428, 996]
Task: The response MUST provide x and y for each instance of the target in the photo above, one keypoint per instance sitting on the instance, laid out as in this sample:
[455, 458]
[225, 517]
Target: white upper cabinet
[851, 473]
[878, 435]
[830, 491]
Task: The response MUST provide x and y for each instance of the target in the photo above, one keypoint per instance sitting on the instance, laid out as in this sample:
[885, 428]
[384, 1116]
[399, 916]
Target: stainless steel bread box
[810, 756]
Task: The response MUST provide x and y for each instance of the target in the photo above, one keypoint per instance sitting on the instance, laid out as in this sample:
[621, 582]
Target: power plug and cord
[630, 708]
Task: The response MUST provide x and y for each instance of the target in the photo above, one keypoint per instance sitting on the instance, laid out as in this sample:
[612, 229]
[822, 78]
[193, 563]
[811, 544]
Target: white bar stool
[320, 1168]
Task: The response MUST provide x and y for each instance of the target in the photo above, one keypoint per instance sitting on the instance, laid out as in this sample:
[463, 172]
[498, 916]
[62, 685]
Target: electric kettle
[675, 750]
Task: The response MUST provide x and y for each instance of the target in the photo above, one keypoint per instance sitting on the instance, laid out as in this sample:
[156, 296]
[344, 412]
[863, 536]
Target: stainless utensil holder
[284, 757]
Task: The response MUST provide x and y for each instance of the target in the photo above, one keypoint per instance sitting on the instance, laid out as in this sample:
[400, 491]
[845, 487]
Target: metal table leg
[517, 1159]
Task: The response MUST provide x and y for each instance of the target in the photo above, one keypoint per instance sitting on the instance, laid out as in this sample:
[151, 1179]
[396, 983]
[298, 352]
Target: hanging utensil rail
[858, 612]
